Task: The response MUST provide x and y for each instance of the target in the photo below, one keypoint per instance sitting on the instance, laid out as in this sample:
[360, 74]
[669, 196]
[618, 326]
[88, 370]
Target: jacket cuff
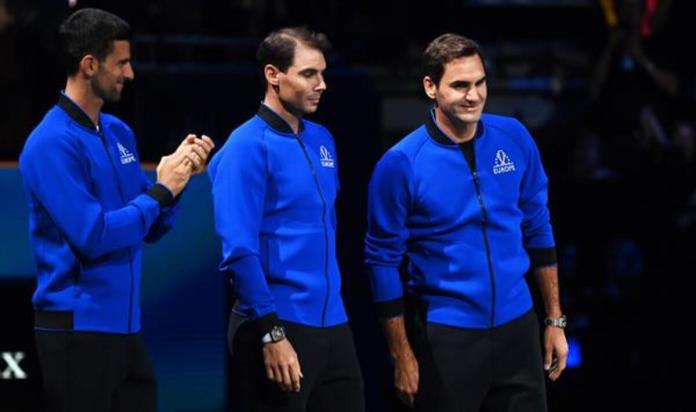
[266, 322]
[542, 257]
[385, 282]
[177, 198]
[161, 194]
[390, 308]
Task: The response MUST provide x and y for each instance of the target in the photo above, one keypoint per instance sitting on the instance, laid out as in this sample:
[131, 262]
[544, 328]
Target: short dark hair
[90, 31]
[278, 48]
[443, 50]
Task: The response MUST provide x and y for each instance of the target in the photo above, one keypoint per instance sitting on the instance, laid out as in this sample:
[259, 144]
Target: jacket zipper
[326, 235]
[484, 230]
[130, 255]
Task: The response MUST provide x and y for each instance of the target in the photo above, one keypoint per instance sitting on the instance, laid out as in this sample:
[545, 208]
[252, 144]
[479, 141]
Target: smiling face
[113, 72]
[300, 87]
[461, 93]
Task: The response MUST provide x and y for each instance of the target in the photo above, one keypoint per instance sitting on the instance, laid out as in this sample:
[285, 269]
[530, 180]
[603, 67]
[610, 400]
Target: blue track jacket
[274, 195]
[90, 208]
[468, 217]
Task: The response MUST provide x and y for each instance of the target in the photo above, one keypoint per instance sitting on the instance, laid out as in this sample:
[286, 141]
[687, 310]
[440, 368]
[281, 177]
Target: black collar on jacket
[275, 121]
[75, 112]
[439, 136]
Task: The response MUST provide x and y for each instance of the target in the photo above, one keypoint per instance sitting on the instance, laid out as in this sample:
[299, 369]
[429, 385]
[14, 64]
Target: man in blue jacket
[463, 197]
[274, 185]
[91, 207]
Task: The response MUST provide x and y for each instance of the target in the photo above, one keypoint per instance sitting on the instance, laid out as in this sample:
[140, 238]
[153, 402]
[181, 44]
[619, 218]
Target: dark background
[611, 108]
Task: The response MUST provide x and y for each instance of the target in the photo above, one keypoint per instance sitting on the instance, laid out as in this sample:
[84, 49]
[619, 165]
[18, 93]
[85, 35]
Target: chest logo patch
[503, 164]
[325, 157]
[126, 155]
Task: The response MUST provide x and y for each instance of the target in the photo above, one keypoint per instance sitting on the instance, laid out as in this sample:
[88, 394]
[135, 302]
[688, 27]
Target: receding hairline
[299, 42]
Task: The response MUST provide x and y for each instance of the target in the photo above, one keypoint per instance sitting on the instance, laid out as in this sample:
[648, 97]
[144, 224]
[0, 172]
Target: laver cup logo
[503, 164]
[325, 157]
[126, 156]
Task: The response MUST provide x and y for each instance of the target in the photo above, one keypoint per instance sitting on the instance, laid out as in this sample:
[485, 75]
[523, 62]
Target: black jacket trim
[439, 136]
[275, 121]
[75, 112]
[542, 257]
[265, 323]
[390, 308]
[161, 194]
[467, 149]
[53, 319]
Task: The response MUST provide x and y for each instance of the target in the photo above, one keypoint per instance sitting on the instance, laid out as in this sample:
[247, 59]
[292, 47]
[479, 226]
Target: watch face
[277, 333]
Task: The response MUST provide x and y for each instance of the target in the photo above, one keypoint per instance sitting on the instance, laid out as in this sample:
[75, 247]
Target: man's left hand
[197, 151]
[555, 352]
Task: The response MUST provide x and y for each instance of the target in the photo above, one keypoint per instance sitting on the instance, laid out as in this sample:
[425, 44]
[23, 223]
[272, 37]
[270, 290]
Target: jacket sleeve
[168, 214]
[389, 198]
[536, 221]
[57, 175]
[239, 174]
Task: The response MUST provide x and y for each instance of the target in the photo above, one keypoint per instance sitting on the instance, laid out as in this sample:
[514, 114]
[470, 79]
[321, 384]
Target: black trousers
[468, 370]
[95, 372]
[332, 379]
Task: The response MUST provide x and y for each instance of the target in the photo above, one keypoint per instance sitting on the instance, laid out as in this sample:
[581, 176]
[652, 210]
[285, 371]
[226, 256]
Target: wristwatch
[276, 334]
[556, 322]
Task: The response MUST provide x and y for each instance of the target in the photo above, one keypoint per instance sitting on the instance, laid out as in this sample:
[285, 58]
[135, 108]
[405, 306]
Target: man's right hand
[406, 377]
[174, 172]
[282, 365]
[405, 364]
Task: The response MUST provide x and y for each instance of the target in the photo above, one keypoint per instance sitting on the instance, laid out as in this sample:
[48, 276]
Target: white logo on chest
[126, 156]
[325, 157]
[503, 164]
